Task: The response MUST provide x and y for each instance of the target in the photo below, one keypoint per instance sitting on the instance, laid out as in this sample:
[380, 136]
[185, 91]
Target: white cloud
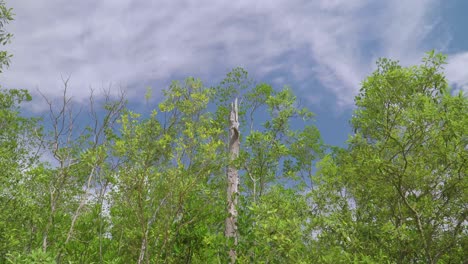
[141, 43]
[457, 71]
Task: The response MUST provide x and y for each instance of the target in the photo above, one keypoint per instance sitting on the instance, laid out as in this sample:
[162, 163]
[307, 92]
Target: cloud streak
[457, 71]
[139, 43]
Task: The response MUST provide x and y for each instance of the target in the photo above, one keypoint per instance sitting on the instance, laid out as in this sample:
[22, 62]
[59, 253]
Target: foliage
[398, 194]
[117, 186]
[6, 15]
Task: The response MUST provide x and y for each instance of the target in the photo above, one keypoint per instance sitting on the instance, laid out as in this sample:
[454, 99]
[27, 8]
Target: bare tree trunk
[233, 183]
[144, 242]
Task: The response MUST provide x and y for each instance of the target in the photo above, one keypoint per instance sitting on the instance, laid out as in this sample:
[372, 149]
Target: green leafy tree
[18, 154]
[169, 198]
[276, 162]
[6, 15]
[398, 193]
[167, 205]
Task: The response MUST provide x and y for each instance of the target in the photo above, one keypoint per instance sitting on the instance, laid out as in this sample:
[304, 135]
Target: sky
[322, 49]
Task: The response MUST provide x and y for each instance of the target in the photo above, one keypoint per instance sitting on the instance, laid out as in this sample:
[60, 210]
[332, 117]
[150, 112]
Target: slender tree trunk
[233, 183]
[144, 244]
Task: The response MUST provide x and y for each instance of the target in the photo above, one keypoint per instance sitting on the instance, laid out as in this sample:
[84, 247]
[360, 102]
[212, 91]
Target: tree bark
[231, 232]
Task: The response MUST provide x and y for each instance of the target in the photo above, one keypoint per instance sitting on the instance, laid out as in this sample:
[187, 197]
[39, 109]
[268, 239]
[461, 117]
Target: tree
[275, 165]
[170, 185]
[6, 15]
[75, 187]
[18, 154]
[167, 203]
[398, 193]
[233, 181]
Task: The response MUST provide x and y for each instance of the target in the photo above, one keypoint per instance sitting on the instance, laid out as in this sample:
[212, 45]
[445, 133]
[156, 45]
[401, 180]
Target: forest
[237, 173]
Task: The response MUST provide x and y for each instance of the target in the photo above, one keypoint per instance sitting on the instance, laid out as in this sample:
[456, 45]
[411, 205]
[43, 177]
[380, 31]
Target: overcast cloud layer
[321, 47]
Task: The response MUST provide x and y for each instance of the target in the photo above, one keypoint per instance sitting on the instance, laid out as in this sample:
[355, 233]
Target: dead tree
[231, 232]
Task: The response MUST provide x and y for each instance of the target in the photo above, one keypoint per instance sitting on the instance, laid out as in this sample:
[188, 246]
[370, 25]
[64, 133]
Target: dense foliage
[117, 186]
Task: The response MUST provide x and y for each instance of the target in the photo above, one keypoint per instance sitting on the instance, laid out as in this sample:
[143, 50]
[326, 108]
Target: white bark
[231, 232]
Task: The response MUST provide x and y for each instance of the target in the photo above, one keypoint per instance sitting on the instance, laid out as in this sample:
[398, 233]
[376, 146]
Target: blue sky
[322, 49]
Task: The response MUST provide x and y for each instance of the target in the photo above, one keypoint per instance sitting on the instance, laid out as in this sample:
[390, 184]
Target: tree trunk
[233, 183]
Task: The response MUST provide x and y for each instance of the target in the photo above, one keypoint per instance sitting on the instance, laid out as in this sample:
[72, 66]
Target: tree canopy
[121, 186]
